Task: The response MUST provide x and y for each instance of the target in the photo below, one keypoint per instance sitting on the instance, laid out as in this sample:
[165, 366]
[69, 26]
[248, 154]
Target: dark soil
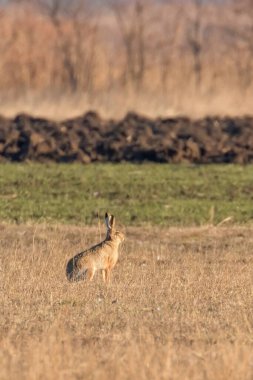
[135, 138]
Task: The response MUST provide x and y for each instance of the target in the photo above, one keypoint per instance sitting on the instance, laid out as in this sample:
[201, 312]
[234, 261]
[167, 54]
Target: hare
[102, 256]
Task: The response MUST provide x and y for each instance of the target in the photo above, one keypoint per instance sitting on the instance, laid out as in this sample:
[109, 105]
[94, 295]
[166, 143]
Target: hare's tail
[73, 272]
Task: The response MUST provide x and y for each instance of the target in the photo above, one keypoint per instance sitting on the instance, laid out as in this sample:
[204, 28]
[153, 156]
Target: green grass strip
[158, 194]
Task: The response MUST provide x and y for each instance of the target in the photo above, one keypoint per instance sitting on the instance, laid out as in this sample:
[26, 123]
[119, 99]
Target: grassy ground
[137, 194]
[179, 305]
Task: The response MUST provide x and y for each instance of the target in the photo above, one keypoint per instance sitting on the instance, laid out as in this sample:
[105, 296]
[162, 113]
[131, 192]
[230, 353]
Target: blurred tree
[194, 38]
[133, 33]
[75, 28]
[243, 42]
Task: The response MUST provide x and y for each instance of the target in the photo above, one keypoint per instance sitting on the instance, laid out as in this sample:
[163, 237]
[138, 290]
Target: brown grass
[179, 306]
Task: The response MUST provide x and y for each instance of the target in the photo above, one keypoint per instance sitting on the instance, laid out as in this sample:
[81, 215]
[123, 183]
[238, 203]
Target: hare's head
[112, 233]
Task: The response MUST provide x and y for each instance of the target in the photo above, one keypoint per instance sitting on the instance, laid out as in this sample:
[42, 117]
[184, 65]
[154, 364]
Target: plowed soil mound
[135, 138]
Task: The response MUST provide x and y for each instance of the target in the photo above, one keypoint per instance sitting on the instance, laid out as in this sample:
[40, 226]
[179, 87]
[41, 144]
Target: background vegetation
[59, 58]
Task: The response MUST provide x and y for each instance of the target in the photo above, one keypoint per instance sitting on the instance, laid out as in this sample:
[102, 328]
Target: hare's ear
[112, 222]
[107, 221]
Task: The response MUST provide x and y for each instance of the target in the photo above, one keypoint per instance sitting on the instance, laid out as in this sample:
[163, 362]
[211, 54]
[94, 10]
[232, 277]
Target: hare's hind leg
[80, 276]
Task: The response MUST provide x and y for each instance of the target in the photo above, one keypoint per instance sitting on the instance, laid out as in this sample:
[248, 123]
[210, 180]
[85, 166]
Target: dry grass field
[179, 305]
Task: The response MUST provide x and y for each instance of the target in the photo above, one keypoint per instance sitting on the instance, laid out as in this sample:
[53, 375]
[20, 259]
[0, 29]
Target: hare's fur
[102, 256]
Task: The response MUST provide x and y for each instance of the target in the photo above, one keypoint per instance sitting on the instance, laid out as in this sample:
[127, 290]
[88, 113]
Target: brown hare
[102, 256]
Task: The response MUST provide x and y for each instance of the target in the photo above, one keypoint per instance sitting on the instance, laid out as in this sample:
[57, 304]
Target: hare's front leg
[108, 275]
[90, 273]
